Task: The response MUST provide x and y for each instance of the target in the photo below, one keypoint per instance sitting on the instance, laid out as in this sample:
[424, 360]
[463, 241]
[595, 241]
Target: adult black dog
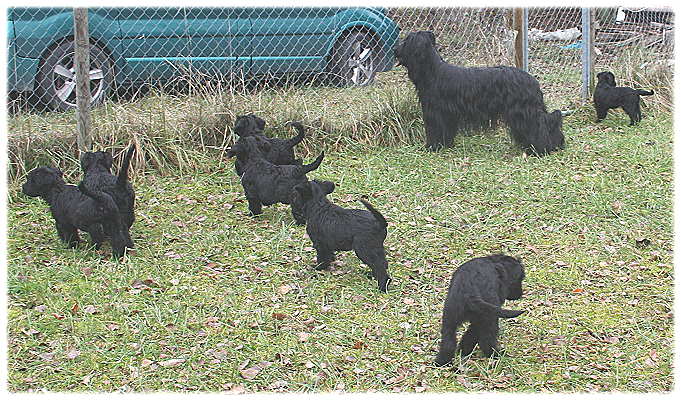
[73, 210]
[332, 228]
[609, 96]
[265, 183]
[279, 151]
[455, 98]
[476, 293]
[98, 180]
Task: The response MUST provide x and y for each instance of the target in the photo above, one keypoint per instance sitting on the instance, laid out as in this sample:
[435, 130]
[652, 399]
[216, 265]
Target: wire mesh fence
[131, 47]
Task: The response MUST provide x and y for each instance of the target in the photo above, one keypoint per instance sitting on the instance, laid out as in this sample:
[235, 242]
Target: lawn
[214, 300]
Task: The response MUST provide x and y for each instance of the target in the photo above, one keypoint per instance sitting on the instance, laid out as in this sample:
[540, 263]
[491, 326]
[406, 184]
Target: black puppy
[73, 210]
[98, 180]
[476, 293]
[280, 151]
[249, 124]
[608, 95]
[265, 183]
[333, 228]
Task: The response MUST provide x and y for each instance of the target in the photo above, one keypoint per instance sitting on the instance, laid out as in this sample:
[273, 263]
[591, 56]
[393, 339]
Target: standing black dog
[265, 183]
[73, 210]
[280, 151]
[98, 180]
[476, 293]
[332, 228]
[608, 95]
[455, 98]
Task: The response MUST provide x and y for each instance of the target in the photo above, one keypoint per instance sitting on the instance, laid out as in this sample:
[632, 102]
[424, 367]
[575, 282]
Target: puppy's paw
[321, 267]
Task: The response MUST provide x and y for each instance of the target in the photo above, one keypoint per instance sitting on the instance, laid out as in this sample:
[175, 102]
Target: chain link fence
[134, 47]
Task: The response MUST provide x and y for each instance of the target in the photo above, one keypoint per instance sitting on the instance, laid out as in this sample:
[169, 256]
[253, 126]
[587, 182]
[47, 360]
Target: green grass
[209, 292]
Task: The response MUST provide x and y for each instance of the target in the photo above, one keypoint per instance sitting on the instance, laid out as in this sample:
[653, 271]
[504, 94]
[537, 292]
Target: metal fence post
[587, 53]
[82, 66]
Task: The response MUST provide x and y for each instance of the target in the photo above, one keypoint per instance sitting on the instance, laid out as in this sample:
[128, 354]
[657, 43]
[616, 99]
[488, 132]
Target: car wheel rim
[361, 64]
[64, 80]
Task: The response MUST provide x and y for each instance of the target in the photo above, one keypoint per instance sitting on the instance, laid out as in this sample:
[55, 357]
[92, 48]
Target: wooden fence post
[82, 66]
[520, 26]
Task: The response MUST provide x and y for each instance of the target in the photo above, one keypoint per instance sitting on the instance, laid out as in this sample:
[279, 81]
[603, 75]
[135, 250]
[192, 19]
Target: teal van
[132, 46]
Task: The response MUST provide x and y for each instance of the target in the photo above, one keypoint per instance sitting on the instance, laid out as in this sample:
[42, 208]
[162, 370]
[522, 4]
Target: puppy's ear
[86, 160]
[431, 36]
[240, 126]
[327, 186]
[304, 190]
[107, 159]
[259, 122]
[611, 78]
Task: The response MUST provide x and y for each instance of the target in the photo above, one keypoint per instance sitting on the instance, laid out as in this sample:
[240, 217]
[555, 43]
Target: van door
[219, 40]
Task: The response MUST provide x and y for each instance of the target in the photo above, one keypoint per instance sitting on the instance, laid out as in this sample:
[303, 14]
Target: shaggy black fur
[476, 293]
[455, 98]
[265, 183]
[98, 180]
[73, 210]
[608, 95]
[249, 124]
[280, 151]
[332, 228]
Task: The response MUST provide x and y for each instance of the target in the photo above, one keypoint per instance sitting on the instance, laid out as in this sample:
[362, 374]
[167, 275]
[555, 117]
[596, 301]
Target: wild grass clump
[181, 131]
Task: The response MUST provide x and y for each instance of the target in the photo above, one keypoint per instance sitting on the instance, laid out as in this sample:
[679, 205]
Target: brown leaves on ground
[252, 372]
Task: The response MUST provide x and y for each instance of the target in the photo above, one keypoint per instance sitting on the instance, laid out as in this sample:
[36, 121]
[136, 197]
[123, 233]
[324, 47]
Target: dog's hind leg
[469, 340]
[488, 331]
[374, 256]
[633, 110]
[448, 338]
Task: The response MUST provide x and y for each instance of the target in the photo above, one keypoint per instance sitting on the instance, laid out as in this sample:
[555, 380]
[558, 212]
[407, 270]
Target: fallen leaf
[172, 362]
[30, 332]
[283, 289]
[252, 372]
[72, 353]
[89, 309]
[303, 336]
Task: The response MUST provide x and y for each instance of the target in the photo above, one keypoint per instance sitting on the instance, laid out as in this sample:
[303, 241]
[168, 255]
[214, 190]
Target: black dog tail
[486, 307]
[311, 167]
[122, 178]
[642, 92]
[301, 134]
[377, 215]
